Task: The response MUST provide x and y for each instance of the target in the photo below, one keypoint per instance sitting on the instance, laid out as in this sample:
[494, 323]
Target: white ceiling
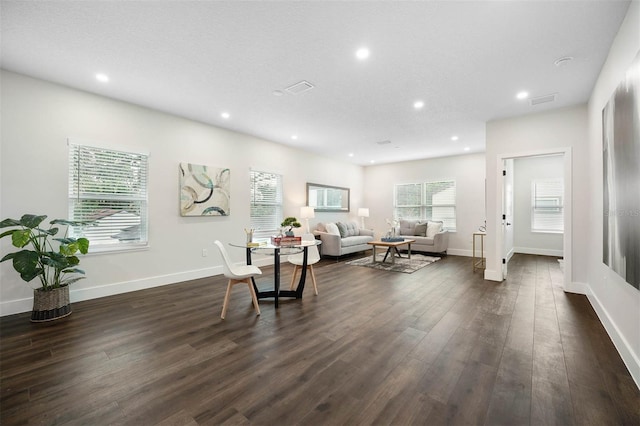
[465, 60]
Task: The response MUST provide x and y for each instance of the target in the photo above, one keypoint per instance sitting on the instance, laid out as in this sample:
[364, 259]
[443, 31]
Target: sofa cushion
[332, 228]
[433, 228]
[407, 226]
[352, 229]
[355, 240]
[420, 230]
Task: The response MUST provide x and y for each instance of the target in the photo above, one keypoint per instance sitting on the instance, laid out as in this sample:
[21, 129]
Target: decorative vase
[49, 305]
[289, 234]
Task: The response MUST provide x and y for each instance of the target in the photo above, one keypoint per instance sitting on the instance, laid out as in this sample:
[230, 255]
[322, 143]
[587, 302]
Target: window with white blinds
[408, 201]
[547, 213]
[266, 203]
[108, 188]
[427, 201]
[440, 202]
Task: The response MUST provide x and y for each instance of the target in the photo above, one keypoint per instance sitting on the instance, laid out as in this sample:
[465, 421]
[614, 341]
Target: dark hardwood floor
[439, 346]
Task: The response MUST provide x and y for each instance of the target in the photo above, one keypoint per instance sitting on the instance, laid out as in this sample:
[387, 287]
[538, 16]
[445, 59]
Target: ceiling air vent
[383, 142]
[300, 87]
[543, 99]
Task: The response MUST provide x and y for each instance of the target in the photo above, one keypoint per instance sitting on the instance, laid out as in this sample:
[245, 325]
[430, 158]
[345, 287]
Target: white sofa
[429, 235]
[352, 239]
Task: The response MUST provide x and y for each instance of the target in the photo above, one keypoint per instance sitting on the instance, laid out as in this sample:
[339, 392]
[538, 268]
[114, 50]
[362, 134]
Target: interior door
[507, 214]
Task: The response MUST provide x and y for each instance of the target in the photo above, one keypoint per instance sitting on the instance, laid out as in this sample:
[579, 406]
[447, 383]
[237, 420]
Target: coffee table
[392, 248]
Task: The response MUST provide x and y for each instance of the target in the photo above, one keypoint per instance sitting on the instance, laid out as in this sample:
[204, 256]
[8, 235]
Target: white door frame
[568, 197]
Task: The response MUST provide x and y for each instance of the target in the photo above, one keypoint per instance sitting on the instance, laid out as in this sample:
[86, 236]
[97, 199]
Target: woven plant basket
[50, 305]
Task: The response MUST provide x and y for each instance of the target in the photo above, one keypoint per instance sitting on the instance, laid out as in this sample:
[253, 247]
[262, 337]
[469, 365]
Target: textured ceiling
[465, 60]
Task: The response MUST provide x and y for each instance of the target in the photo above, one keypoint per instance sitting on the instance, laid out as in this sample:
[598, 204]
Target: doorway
[505, 239]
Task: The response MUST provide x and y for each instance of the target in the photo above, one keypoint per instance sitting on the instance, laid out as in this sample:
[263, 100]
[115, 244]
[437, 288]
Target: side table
[478, 262]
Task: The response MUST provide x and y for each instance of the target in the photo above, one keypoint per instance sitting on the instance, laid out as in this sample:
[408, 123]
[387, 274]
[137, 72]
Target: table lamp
[307, 213]
[363, 212]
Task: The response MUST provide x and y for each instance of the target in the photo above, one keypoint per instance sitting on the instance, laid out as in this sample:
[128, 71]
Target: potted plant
[56, 268]
[290, 223]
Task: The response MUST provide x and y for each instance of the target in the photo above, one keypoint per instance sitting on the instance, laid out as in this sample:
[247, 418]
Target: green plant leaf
[9, 222]
[8, 256]
[31, 221]
[9, 232]
[50, 231]
[69, 249]
[73, 271]
[26, 263]
[21, 237]
[83, 245]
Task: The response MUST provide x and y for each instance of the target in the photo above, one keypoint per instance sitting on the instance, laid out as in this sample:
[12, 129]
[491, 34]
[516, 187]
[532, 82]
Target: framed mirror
[326, 198]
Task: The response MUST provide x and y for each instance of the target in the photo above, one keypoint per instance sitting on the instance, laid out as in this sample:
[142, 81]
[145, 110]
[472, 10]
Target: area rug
[408, 266]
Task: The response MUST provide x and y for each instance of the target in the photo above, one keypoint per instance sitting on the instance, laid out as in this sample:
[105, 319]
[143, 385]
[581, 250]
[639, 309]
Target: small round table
[265, 247]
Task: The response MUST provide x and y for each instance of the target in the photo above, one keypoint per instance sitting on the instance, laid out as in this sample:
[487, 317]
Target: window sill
[118, 249]
[537, 231]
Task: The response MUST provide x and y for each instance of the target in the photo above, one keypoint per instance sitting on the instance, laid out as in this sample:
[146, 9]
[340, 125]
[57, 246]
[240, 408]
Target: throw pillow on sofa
[433, 228]
[332, 228]
[420, 230]
[343, 229]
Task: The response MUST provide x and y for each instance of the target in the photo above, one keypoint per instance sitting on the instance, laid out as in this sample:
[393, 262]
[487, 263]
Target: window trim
[559, 208]
[74, 195]
[423, 206]
[279, 203]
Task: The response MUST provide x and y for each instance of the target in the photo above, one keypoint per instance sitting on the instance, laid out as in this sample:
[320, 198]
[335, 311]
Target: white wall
[467, 170]
[527, 169]
[38, 117]
[616, 302]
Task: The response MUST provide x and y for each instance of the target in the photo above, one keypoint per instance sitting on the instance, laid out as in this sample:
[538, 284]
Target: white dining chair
[237, 274]
[313, 257]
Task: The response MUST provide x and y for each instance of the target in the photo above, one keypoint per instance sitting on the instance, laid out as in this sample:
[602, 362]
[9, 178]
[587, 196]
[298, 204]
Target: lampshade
[363, 212]
[307, 212]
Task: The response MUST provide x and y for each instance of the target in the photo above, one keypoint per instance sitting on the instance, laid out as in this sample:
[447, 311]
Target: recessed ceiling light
[373, 161]
[362, 53]
[294, 137]
[278, 93]
[466, 148]
[418, 104]
[103, 78]
[522, 95]
[225, 115]
[351, 154]
[454, 138]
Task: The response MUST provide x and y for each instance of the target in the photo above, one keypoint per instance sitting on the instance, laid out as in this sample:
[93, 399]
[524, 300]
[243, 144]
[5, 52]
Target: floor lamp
[363, 212]
[307, 213]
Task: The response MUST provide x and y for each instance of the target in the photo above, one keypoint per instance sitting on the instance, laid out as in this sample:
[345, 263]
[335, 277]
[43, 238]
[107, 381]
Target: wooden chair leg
[293, 278]
[226, 299]
[253, 296]
[313, 279]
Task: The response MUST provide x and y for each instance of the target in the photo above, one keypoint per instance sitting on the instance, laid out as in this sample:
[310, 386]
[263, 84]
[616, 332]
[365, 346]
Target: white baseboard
[538, 251]
[627, 354]
[12, 307]
[510, 254]
[578, 288]
[459, 252]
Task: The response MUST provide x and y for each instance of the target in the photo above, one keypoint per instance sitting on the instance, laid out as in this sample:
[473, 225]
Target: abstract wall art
[621, 174]
[204, 190]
